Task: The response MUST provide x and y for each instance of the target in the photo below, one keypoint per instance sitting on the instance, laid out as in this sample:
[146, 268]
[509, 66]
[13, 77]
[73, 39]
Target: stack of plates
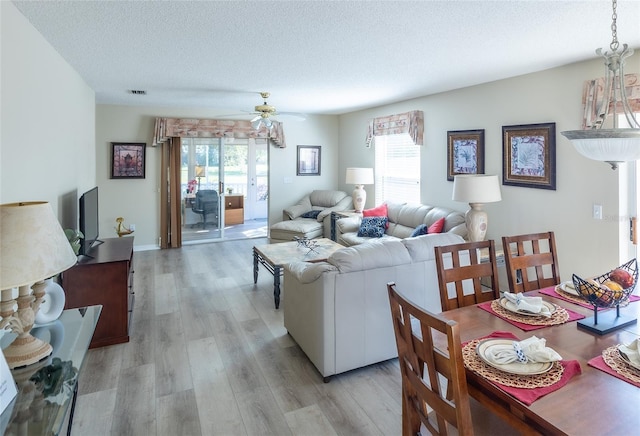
[630, 355]
[511, 307]
[531, 368]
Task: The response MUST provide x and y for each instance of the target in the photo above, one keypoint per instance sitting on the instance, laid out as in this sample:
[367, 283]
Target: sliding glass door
[232, 173]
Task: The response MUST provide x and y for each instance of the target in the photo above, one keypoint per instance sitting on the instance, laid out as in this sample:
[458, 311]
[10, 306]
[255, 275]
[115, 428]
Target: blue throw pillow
[420, 230]
[311, 214]
[373, 226]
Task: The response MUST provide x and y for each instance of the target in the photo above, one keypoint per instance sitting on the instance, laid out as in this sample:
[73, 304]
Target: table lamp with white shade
[476, 189]
[359, 177]
[33, 247]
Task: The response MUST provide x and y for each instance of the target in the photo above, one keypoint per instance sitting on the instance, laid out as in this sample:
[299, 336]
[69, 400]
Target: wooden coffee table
[274, 256]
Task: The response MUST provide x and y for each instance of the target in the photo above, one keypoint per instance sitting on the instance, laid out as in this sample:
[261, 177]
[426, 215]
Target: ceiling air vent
[137, 92]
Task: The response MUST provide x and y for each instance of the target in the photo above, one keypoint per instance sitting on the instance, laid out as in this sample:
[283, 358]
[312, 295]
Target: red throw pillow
[376, 211]
[436, 227]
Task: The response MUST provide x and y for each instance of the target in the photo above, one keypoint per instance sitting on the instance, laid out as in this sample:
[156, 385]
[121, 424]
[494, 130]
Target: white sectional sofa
[338, 310]
[403, 219]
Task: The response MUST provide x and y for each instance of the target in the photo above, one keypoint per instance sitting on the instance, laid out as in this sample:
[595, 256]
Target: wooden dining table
[591, 403]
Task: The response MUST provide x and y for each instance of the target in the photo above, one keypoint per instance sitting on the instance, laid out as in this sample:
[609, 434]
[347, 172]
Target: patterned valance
[593, 94]
[411, 123]
[166, 128]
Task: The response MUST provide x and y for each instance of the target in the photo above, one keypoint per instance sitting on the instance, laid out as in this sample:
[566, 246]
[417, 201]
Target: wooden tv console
[104, 277]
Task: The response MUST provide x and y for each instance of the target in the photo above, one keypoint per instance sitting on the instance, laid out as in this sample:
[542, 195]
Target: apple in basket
[622, 277]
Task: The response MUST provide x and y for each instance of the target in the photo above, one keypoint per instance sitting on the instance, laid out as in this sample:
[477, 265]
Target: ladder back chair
[414, 329]
[438, 401]
[531, 261]
[470, 270]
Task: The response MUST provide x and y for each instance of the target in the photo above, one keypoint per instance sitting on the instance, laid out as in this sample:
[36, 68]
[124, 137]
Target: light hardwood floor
[209, 355]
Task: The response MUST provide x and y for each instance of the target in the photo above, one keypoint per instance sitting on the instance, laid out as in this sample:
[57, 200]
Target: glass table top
[46, 388]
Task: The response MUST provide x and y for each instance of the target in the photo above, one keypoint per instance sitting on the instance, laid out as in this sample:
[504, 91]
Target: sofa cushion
[376, 211]
[301, 227]
[422, 229]
[436, 227]
[372, 226]
[311, 214]
[326, 198]
[422, 248]
[374, 254]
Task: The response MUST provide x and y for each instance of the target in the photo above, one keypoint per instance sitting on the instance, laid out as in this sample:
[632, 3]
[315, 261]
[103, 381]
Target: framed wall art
[127, 160]
[308, 160]
[465, 152]
[529, 155]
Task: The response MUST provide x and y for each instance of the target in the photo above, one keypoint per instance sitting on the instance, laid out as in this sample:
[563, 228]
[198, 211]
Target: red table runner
[551, 291]
[573, 316]
[599, 363]
[528, 396]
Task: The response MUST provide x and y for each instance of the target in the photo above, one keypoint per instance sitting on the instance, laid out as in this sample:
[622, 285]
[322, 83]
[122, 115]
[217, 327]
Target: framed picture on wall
[529, 155]
[308, 160]
[127, 160]
[465, 152]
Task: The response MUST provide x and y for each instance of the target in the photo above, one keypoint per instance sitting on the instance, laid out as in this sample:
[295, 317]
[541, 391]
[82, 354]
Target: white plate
[512, 368]
[511, 307]
[569, 288]
[625, 357]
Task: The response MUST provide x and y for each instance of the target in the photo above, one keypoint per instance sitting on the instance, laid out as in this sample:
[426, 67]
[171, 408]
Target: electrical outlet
[597, 211]
[132, 227]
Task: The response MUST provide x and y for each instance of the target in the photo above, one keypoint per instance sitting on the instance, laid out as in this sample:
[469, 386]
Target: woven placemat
[477, 365]
[612, 358]
[580, 299]
[573, 298]
[560, 316]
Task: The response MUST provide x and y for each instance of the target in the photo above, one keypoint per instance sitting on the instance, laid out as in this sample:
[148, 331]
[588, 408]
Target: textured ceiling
[317, 57]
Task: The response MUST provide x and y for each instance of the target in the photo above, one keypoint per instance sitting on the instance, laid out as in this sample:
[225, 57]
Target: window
[397, 169]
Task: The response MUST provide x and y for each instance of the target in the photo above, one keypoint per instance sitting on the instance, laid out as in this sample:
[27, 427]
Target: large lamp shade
[33, 247]
[476, 190]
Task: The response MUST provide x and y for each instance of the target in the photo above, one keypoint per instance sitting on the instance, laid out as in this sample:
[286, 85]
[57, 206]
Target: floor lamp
[359, 177]
[33, 247]
[476, 190]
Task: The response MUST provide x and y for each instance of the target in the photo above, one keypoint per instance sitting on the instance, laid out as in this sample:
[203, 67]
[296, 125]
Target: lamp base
[476, 220]
[359, 198]
[26, 350]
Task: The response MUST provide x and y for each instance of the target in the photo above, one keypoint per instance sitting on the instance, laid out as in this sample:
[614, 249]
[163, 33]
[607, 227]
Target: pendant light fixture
[617, 144]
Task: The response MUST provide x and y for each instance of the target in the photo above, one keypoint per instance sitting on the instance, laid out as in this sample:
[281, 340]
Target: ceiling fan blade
[293, 115]
[256, 118]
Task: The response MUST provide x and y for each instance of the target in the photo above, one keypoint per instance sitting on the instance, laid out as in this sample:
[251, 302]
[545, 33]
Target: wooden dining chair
[434, 385]
[531, 261]
[470, 270]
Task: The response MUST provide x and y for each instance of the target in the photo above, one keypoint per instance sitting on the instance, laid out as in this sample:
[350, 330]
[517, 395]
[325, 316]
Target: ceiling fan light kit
[617, 144]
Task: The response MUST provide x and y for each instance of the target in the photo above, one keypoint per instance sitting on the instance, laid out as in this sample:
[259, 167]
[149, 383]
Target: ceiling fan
[264, 112]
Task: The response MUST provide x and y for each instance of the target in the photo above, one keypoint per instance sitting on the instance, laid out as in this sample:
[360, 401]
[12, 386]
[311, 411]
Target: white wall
[137, 200]
[47, 120]
[586, 246]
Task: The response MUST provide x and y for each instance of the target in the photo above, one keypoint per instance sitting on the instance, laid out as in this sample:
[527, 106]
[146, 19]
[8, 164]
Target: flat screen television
[89, 225]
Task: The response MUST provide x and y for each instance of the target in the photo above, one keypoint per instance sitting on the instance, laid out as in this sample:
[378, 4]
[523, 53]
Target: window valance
[593, 94]
[411, 123]
[166, 128]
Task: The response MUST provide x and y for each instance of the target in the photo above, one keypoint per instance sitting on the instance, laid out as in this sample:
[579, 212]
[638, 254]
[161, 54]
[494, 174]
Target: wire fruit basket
[600, 296]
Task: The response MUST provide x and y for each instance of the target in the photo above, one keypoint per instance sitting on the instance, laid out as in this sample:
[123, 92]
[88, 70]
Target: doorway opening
[224, 189]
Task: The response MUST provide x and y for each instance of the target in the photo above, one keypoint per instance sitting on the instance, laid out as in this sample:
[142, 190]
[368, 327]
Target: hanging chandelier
[613, 145]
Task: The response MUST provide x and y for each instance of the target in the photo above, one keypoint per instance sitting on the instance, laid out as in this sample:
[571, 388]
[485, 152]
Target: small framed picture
[308, 160]
[465, 152]
[127, 160]
[529, 155]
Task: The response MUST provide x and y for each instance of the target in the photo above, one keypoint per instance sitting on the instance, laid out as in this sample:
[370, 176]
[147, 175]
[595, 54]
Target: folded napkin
[533, 350]
[528, 304]
[632, 351]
